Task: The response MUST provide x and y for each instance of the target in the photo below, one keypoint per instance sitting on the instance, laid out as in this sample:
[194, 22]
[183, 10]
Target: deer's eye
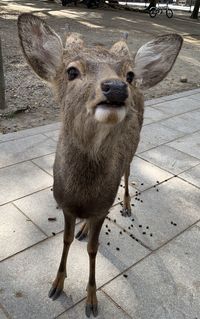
[130, 76]
[72, 73]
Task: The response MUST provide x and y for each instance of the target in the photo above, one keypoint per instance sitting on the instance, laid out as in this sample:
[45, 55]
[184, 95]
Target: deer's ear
[42, 47]
[155, 59]
[120, 49]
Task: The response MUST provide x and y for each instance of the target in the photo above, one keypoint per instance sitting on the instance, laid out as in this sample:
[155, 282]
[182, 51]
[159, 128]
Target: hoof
[91, 309]
[54, 292]
[126, 212]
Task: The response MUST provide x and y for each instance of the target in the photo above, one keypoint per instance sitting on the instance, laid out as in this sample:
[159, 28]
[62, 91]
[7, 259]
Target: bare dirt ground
[30, 102]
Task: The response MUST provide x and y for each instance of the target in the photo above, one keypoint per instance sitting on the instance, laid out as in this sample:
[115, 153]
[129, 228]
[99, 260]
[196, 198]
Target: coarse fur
[102, 108]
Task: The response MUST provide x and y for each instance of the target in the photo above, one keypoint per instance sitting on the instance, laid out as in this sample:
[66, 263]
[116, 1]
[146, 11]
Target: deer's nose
[115, 91]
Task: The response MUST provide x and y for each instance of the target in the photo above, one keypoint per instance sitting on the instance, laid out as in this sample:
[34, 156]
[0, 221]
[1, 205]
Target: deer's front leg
[92, 247]
[127, 200]
[57, 286]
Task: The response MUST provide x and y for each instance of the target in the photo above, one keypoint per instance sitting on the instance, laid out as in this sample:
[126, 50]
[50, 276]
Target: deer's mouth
[106, 104]
[110, 113]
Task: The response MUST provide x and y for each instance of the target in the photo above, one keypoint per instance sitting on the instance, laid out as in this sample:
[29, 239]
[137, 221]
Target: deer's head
[95, 81]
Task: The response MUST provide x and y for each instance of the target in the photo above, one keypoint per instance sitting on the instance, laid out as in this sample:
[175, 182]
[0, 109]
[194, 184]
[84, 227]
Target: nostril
[105, 87]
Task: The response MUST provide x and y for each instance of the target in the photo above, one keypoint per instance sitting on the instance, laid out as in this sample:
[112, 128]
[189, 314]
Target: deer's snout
[116, 91]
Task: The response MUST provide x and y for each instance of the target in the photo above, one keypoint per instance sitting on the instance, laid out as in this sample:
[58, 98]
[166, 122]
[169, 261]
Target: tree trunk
[2, 82]
[195, 12]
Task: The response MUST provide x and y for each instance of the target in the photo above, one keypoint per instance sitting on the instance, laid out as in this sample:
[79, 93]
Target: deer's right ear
[42, 47]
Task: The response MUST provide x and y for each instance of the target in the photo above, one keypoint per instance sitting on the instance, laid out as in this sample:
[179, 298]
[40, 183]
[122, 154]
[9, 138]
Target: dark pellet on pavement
[117, 248]
[154, 185]
[132, 219]
[57, 207]
[144, 233]
[118, 198]
[172, 223]
[141, 201]
[109, 230]
[124, 230]
[157, 182]
[114, 220]
[140, 226]
[151, 235]
[136, 239]
[175, 224]
[142, 183]
[120, 232]
[147, 227]
[107, 233]
[51, 219]
[108, 244]
[157, 190]
[125, 275]
[132, 205]
[51, 189]
[53, 234]
[131, 225]
[106, 226]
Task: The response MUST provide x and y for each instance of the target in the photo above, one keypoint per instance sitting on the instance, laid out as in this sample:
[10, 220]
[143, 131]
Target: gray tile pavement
[192, 175]
[144, 175]
[107, 309]
[17, 232]
[45, 163]
[175, 201]
[178, 106]
[26, 148]
[156, 134]
[189, 144]
[41, 206]
[163, 284]
[170, 159]
[20, 180]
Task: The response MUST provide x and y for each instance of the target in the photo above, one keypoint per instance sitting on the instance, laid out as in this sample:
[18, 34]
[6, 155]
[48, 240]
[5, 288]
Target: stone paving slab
[169, 159]
[107, 309]
[21, 180]
[39, 207]
[164, 285]
[156, 134]
[46, 163]
[152, 115]
[17, 233]
[196, 97]
[178, 106]
[30, 274]
[192, 176]
[26, 148]
[175, 201]
[53, 134]
[189, 144]
[144, 175]
[29, 132]
[187, 123]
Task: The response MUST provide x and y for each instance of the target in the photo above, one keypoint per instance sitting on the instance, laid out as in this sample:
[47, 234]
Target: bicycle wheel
[169, 13]
[153, 12]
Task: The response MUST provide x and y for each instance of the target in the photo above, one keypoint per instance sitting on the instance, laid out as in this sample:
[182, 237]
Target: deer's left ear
[155, 59]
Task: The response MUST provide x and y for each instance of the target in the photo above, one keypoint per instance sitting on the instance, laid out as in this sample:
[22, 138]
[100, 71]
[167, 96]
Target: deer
[99, 91]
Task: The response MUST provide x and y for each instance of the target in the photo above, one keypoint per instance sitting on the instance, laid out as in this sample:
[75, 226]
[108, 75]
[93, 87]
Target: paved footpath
[155, 274]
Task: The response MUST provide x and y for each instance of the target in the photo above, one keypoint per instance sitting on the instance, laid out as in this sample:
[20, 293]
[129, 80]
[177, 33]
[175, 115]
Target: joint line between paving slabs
[27, 160]
[29, 219]
[170, 141]
[41, 167]
[115, 303]
[15, 199]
